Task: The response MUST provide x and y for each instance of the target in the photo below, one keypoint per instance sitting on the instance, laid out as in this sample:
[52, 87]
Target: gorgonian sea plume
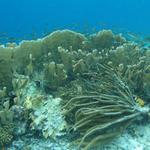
[101, 117]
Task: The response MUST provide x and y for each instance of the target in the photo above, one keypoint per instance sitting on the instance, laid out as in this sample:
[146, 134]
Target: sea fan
[99, 118]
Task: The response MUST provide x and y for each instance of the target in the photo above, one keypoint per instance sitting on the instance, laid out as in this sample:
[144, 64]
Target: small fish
[139, 101]
[133, 35]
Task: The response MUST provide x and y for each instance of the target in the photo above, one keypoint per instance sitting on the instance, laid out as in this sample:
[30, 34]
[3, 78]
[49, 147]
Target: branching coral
[6, 115]
[99, 118]
[54, 75]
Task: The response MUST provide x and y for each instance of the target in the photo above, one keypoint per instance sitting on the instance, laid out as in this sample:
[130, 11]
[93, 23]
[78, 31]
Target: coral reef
[99, 118]
[105, 39]
[6, 115]
[92, 86]
[54, 75]
[48, 118]
[6, 59]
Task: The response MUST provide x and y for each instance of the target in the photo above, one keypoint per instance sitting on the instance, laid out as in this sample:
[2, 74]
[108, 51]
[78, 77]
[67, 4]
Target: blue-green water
[74, 75]
[28, 19]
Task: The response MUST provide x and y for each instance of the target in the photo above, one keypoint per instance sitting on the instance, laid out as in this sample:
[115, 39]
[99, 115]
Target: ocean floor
[136, 137]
